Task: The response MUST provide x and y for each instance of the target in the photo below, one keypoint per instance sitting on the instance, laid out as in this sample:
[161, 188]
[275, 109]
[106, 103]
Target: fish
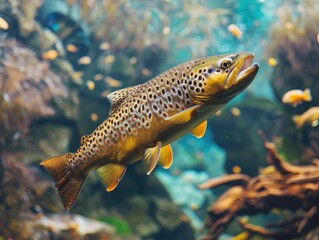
[85, 60]
[144, 120]
[50, 54]
[4, 24]
[296, 97]
[272, 62]
[310, 116]
[113, 82]
[72, 48]
[235, 111]
[236, 169]
[235, 31]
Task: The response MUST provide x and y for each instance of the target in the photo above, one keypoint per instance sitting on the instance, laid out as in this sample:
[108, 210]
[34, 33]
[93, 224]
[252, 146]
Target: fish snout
[241, 75]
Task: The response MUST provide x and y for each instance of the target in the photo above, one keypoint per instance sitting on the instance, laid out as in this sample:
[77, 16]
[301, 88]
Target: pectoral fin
[200, 130]
[150, 158]
[110, 175]
[183, 116]
[166, 156]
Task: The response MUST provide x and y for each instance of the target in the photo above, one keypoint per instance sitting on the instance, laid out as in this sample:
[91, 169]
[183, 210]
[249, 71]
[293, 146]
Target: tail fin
[68, 186]
[307, 95]
[299, 121]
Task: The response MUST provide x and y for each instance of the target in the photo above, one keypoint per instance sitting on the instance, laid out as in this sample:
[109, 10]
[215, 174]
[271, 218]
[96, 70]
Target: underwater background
[59, 59]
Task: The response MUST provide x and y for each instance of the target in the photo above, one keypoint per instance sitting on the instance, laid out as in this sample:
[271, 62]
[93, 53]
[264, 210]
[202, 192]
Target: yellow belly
[131, 149]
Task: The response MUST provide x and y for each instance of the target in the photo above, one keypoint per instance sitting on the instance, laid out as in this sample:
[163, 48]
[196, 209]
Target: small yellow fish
[235, 111]
[146, 118]
[242, 236]
[296, 97]
[94, 117]
[236, 169]
[309, 116]
[98, 77]
[50, 54]
[146, 72]
[4, 24]
[272, 62]
[85, 60]
[72, 48]
[109, 59]
[105, 46]
[113, 82]
[91, 85]
[235, 31]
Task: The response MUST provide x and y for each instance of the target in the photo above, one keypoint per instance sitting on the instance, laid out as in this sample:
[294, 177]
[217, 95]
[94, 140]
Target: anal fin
[166, 156]
[111, 174]
[150, 158]
[183, 116]
[200, 130]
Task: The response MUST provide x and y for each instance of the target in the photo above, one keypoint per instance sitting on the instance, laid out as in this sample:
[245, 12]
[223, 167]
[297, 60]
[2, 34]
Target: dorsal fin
[117, 97]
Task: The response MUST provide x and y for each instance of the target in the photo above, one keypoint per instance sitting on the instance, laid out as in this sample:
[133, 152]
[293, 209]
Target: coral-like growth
[27, 86]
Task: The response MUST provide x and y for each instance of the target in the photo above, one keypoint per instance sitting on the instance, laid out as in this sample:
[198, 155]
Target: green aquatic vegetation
[121, 226]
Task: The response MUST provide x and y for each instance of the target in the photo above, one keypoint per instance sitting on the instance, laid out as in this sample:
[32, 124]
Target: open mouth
[246, 68]
[239, 78]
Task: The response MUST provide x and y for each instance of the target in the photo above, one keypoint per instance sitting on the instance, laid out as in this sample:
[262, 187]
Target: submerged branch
[287, 187]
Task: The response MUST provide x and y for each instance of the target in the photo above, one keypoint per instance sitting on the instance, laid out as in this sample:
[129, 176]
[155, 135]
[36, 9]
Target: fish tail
[298, 119]
[307, 95]
[67, 184]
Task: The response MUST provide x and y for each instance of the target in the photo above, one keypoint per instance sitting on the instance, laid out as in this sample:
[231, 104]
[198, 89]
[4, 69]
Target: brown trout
[146, 118]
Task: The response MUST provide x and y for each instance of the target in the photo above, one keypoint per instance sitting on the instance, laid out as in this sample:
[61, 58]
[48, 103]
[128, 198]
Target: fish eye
[225, 63]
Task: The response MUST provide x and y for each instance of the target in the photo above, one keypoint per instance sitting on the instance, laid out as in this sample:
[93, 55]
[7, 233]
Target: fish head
[217, 79]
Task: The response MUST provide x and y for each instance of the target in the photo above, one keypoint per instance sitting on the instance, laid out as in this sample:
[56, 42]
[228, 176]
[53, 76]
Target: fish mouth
[239, 78]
